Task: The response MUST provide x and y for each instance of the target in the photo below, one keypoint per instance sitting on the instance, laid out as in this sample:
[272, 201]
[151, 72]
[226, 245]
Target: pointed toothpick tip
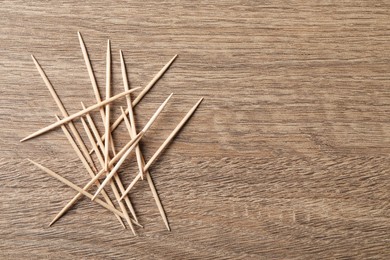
[52, 222]
[31, 161]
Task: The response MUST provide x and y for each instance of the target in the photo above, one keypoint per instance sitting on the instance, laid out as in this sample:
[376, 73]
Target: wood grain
[287, 157]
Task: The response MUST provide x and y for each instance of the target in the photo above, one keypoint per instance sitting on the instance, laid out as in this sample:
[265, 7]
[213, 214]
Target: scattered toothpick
[117, 179]
[89, 170]
[112, 184]
[148, 177]
[78, 189]
[78, 114]
[109, 166]
[147, 126]
[64, 113]
[143, 92]
[93, 82]
[161, 148]
[131, 115]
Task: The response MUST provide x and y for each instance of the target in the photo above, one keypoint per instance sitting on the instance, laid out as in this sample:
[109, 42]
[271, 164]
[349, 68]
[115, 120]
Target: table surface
[287, 157]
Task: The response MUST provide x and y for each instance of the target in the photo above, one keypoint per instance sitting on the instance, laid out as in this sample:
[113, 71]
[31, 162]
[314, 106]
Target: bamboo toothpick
[147, 126]
[143, 92]
[78, 114]
[131, 114]
[113, 187]
[64, 113]
[148, 177]
[89, 170]
[161, 148]
[78, 189]
[93, 81]
[116, 177]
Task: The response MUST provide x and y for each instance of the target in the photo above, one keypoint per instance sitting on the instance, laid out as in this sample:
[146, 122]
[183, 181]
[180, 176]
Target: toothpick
[78, 189]
[102, 171]
[161, 148]
[78, 114]
[108, 93]
[113, 187]
[148, 177]
[116, 177]
[64, 113]
[147, 126]
[89, 170]
[131, 114]
[93, 81]
[143, 92]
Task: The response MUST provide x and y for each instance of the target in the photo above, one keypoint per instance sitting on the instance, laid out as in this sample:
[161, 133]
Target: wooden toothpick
[78, 114]
[64, 113]
[113, 187]
[89, 170]
[108, 94]
[131, 114]
[148, 177]
[78, 189]
[93, 81]
[161, 148]
[116, 177]
[102, 171]
[147, 126]
[143, 92]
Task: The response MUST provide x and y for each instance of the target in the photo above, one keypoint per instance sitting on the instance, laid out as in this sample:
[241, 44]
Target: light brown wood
[127, 153]
[132, 134]
[117, 179]
[161, 148]
[103, 164]
[90, 172]
[76, 115]
[288, 156]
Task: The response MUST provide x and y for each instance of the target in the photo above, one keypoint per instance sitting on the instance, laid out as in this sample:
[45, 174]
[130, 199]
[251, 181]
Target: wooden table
[287, 157]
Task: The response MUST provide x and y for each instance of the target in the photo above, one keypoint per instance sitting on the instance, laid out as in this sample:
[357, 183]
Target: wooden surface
[287, 157]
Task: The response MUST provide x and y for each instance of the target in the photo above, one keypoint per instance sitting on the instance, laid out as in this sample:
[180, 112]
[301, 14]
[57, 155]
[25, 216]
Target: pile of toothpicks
[102, 145]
